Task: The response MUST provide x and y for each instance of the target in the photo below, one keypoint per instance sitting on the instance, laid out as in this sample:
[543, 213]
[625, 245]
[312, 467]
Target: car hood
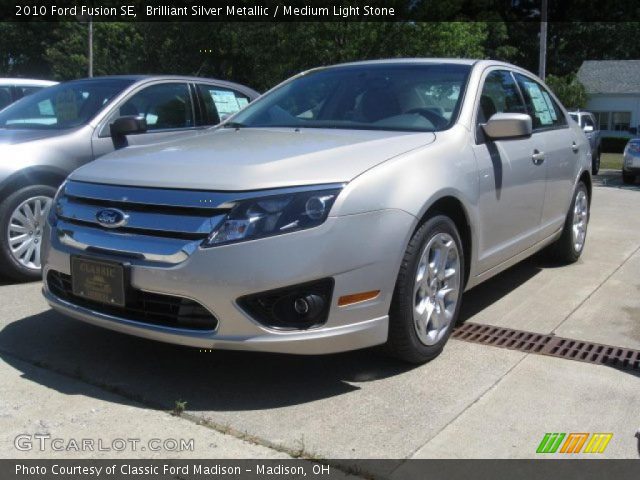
[252, 158]
[9, 136]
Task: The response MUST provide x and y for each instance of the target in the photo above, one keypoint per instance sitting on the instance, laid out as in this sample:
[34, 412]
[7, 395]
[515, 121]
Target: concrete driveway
[474, 401]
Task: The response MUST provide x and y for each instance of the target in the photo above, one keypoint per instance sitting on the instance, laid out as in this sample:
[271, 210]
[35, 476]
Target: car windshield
[405, 97]
[62, 106]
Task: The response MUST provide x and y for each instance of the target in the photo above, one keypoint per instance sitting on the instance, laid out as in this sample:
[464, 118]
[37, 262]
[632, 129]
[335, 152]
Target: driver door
[167, 107]
[511, 181]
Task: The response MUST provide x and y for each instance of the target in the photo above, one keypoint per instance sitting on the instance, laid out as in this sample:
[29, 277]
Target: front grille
[151, 308]
[179, 217]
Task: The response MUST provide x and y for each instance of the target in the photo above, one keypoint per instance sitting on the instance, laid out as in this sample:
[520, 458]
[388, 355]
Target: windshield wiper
[234, 125]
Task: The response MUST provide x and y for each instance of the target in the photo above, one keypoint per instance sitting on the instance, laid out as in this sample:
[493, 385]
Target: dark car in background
[631, 161]
[45, 136]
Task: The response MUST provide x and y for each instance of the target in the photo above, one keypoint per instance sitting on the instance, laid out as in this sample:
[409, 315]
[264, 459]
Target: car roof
[405, 61]
[150, 78]
[27, 82]
[472, 62]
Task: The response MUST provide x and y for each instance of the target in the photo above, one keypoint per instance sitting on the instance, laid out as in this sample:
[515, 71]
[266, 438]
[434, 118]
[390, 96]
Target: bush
[614, 144]
[569, 90]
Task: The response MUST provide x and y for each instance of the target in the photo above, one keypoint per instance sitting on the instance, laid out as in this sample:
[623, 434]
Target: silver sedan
[350, 206]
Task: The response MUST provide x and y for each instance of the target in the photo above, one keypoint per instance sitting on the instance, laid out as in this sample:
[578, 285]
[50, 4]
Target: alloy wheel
[580, 219]
[437, 288]
[26, 225]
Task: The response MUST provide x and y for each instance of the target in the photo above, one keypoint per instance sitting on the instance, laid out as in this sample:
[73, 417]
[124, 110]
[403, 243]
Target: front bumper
[360, 252]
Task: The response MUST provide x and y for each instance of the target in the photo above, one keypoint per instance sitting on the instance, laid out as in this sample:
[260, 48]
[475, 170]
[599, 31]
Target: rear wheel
[22, 218]
[595, 163]
[568, 248]
[428, 292]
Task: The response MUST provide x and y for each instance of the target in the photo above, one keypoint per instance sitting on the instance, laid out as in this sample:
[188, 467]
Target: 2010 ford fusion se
[349, 207]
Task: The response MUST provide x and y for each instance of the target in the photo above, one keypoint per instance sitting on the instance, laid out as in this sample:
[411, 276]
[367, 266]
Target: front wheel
[568, 248]
[628, 178]
[426, 300]
[22, 219]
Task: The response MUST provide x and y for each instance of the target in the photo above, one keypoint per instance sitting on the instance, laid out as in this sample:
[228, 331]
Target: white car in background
[631, 161]
[13, 89]
[589, 125]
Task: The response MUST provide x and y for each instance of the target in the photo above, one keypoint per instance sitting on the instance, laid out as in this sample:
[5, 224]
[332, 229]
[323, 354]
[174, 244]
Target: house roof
[610, 76]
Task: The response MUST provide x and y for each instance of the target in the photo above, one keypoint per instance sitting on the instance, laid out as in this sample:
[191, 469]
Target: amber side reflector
[357, 298]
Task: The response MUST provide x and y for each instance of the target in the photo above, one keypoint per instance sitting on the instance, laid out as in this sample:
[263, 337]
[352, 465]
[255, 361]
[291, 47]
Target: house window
[617, 121]
[620, 121]
[603, 120]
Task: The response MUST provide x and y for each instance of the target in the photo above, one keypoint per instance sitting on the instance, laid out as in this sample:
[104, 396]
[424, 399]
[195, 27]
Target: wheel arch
[42, 175]
[585, 177]
[454, 208]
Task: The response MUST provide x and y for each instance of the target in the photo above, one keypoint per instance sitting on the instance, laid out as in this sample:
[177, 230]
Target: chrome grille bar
[143, 247]
[175, 197]
[71, 210]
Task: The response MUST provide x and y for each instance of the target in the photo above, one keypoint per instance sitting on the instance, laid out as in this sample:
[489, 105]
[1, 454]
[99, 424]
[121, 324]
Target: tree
[117, 49]
[569, 90]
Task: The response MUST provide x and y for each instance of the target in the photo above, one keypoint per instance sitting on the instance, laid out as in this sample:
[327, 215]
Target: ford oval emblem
[112, 218]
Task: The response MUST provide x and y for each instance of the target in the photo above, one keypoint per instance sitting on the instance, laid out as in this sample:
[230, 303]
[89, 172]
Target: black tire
[9, 266]
[564, 250]
[628, 178]
[595, 163]
[403, 341]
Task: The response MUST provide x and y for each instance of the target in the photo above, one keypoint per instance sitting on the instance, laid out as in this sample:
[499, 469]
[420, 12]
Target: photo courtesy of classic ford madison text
[382, 240]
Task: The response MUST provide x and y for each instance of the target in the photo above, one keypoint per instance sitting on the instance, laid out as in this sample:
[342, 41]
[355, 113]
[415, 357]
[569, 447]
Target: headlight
[273, 215]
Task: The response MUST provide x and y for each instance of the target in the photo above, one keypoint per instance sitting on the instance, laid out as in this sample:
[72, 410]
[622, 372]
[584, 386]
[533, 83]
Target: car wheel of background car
[595, 163]
[22, 218]
[628, 178]
[568, 248]
[428, 292]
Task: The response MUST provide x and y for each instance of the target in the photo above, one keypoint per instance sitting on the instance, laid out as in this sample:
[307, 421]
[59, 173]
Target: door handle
[537, 157]
[575, 147]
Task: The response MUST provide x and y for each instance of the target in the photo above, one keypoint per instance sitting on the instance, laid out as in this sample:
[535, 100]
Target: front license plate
[98, 281]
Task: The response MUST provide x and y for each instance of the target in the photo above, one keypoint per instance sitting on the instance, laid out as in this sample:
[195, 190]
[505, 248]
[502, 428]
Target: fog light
[310, 305]
[301, 305]
[296, 307]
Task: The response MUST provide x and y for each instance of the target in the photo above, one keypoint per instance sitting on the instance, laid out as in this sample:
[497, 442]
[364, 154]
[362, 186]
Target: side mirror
[128, 125]
[588, 128]
[502, 126]
[123, 126]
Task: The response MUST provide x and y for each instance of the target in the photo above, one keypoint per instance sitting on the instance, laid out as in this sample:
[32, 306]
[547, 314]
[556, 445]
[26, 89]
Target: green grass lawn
[611, 160]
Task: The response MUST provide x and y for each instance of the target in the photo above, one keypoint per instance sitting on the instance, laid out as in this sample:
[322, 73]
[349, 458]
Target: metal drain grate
[549, 344]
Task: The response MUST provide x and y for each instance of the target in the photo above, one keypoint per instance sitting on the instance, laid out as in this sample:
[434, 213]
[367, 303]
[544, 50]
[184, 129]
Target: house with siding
[613, 89]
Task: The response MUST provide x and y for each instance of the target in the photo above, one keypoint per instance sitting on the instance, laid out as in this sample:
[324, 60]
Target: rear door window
[220, 102]
[544, 110]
